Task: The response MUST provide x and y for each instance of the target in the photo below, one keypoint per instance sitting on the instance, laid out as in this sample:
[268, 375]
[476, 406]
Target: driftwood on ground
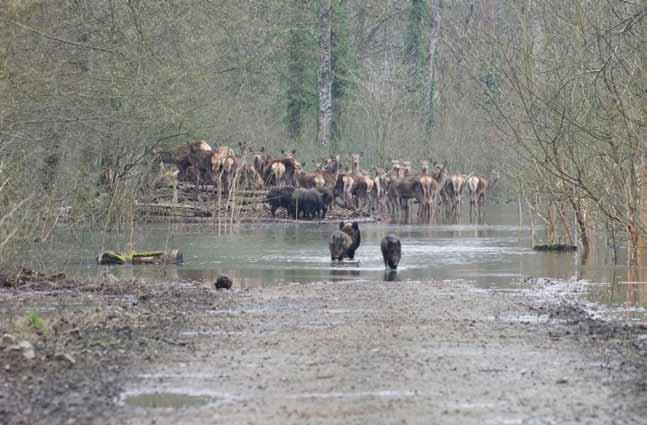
[145, 257]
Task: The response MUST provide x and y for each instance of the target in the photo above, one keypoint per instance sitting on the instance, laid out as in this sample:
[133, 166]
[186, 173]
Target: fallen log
[173, 256]
[557, 247]
[172, 210]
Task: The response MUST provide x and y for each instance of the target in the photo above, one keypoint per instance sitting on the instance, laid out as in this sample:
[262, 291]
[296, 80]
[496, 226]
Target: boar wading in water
[391, 251]
[344, 242]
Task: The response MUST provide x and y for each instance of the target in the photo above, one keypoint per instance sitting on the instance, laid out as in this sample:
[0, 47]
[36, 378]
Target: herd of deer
[433, 189]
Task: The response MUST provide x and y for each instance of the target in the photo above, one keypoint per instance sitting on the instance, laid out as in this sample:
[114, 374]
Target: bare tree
[325, 71]
[431, 86]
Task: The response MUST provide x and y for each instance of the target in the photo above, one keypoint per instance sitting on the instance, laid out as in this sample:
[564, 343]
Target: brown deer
[390, 178]
[362, 188]
[344, 188]
[165, 178]
[406, 169]
[223, 163]
[403, 186]
[379, 189]
[478, 187]
[189, 155]
[247, 178]
[230, 166]
[429, 187]
[261, 161]
[443, 193]
[280, 172]
[401, 191]
[274, 173]
[218, 158]
[290, 164]
[330, 171]
[310, 180]
[458, 182]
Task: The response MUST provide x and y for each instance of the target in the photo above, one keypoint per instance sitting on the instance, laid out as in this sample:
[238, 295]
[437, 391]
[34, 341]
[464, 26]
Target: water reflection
[391, 276]
[493, 255]
[344, 271]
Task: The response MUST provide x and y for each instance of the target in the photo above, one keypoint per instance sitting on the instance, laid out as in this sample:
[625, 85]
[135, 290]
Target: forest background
[551, 94]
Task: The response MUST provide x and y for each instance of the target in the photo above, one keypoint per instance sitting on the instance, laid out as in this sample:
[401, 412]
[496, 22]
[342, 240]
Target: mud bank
[333, 353]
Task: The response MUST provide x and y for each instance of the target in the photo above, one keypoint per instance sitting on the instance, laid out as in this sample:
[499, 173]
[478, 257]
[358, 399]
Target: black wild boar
[353, 231]
[391, 251]
[327, 199]
[307, 203]
[223, 282]
[344, 242]
[280, 197]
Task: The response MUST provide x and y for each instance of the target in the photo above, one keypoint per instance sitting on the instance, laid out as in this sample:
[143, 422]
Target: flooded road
[493, 255]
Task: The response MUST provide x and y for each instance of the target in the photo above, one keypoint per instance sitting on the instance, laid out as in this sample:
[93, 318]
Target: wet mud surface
[362, 351]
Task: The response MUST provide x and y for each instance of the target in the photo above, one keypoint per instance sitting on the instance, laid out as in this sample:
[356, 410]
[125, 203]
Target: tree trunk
[339, 49]
[360, 37]
[296, 72]
[325, 72]
[412, 42]
[335, 87]
[489, 18]
[430, 81]
[641, 243]
[580, 217]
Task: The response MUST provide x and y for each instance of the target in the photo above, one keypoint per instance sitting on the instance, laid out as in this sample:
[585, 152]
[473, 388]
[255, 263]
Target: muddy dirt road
[323, 353]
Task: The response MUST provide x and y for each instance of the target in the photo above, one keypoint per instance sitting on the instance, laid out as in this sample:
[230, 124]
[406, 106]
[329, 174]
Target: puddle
[172, 397]
[168, 400]
[388, 394]
[209, 333]
[524, 318]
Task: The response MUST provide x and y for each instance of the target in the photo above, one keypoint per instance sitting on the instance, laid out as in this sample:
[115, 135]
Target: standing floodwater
[490, 255]
[474, 323]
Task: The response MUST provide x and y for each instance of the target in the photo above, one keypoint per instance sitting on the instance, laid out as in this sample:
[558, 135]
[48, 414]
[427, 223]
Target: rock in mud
[7, 340]
[64, 357]
[25, 347]
[224, 282]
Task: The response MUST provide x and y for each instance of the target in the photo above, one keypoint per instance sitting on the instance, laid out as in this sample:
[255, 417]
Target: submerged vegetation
[549, 94]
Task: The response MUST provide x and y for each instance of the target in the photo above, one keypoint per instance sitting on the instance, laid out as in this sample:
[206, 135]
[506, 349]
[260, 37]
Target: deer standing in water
[390, 178]
[362, 187]
[379, 189]
[441, 195]
[478, 187]
[402, 189]
[429, 187]
[458, 182]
